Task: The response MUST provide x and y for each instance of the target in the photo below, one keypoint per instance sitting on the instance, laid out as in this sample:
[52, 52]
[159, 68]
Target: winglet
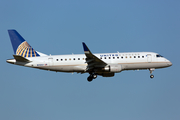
[91, 59]
[86, 49]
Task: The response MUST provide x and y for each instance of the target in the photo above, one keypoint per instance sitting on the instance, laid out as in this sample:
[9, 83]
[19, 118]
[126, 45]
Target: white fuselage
[103, 64]
[77, 62]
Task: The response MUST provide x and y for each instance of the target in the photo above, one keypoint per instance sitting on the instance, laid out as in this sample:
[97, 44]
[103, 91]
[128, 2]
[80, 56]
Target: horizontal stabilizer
[20, 58]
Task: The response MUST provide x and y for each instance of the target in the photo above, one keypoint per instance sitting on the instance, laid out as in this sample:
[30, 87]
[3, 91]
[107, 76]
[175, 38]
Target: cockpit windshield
[159, 55]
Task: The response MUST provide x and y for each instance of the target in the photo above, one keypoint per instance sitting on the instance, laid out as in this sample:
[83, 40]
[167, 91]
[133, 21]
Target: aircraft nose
[169, 63]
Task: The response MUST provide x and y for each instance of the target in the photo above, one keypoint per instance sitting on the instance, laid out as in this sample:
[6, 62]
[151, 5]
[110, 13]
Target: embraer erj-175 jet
[103, 64]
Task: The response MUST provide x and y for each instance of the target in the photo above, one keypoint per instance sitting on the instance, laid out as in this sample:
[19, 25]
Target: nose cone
[169, 63]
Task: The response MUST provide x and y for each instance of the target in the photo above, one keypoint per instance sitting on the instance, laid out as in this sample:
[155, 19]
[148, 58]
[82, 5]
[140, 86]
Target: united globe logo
[25, 50]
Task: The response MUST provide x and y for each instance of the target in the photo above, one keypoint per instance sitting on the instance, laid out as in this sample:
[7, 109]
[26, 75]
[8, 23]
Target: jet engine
[113, 68]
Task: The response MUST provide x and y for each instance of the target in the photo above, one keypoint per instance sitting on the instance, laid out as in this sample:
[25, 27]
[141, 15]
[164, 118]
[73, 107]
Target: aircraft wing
[92, 61]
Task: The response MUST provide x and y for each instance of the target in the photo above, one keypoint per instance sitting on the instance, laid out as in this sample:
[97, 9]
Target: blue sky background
[60, 27]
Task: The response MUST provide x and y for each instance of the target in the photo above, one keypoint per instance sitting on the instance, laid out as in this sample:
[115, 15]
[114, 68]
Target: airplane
[102, 64]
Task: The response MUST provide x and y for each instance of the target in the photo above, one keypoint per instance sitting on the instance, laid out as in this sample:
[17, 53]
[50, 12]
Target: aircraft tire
[151, 76]
[90, 79]
[94, 76]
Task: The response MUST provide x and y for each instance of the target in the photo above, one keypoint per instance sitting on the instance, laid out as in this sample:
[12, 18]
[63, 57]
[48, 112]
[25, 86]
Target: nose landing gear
[151, 76]
[151, 71]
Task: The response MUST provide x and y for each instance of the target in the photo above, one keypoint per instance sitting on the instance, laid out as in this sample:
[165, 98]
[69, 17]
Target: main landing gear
[151, 71]
[91, 77]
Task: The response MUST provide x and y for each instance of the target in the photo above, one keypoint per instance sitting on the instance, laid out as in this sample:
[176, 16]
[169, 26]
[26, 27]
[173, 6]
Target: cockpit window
[159, 55]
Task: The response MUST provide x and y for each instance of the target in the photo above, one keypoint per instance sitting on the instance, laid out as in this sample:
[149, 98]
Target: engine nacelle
[113, 68]
[107, 74]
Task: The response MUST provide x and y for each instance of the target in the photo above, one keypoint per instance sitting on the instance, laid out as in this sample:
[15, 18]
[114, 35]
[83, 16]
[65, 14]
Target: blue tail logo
[20, 46]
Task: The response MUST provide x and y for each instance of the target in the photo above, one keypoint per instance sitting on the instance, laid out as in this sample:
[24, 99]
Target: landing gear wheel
[90, 78]
[151, 76]
[94, 76]
[151, 71]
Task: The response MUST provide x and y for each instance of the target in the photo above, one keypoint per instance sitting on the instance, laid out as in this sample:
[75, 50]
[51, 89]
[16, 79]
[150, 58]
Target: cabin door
[149, 58]
[50, 61]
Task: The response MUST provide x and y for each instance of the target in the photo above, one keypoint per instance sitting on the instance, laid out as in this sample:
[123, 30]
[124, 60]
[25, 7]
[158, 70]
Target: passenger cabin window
[56, 59]
[142, 56]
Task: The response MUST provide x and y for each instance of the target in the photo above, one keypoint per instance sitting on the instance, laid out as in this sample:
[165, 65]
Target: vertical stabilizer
[20, 46]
